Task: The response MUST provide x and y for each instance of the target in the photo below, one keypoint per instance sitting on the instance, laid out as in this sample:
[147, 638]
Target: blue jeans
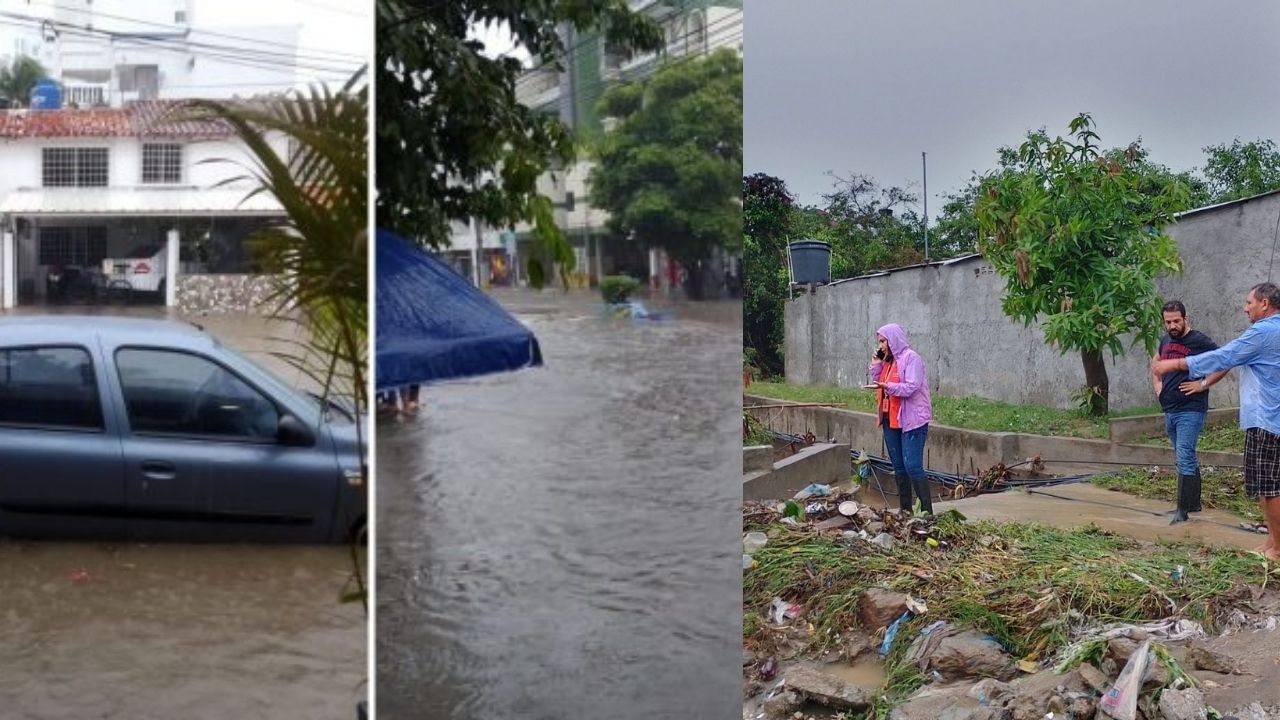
[1183, 429]
[906, 450]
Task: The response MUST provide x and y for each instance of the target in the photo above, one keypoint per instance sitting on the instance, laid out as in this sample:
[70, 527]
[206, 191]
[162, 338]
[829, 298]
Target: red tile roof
[151, 118]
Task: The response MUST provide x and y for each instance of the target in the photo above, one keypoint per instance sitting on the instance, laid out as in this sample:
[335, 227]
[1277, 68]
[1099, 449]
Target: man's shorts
[1261, 463]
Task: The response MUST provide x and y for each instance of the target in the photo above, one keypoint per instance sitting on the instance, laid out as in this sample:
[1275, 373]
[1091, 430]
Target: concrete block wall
[952, 315]
[217, 294]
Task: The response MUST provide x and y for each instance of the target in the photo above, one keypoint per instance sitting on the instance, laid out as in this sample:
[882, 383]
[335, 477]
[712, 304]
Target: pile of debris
[940, 663]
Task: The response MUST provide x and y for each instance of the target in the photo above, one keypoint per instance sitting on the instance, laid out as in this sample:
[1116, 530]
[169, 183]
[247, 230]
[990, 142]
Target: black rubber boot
[921, 486]
[1184, 499]
[1196, 483]
[904, 492]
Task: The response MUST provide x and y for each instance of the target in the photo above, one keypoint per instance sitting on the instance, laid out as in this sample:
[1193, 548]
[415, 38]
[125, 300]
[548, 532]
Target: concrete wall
[952, 315]
[962, 451]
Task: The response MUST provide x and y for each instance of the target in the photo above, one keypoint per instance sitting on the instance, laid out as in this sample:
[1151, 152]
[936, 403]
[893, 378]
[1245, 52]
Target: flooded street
[157, 631]
[563, 542]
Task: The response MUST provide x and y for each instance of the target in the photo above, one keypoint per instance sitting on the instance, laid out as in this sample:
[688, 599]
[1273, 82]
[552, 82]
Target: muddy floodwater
[160, 631]
[177, 631]
[563, 542]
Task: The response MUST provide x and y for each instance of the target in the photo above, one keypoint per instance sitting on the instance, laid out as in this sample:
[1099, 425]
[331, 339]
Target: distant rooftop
[138, 119]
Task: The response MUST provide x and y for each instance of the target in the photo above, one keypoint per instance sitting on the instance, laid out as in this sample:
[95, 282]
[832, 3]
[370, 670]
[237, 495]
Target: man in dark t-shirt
[1185, 402]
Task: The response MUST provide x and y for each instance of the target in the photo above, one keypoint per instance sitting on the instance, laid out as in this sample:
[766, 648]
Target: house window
[161, 163]
[80, 246]
[75, 167]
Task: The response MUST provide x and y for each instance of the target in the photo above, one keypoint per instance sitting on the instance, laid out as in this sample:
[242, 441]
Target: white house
[81, 186]
[110, 52]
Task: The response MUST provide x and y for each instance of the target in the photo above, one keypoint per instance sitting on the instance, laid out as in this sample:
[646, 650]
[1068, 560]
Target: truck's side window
[179, 393]
[49, 387]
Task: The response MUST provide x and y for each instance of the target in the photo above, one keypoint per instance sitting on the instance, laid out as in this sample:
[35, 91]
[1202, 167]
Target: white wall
[21, 160]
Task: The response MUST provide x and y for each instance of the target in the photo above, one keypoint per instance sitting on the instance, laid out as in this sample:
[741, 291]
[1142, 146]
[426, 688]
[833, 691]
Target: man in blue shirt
[1184, 401]
[1257, 354]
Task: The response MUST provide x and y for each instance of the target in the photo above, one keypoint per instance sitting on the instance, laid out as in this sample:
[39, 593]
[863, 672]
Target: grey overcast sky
[866, 85]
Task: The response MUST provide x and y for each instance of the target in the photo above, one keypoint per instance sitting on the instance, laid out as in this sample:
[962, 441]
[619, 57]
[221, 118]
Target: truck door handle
[159, 470]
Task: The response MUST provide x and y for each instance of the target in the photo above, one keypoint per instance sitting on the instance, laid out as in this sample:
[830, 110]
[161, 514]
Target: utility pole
[924, 167]
[476, 252]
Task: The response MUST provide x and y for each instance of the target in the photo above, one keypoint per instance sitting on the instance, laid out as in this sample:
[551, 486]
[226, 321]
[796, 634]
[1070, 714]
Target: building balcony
[539, 87]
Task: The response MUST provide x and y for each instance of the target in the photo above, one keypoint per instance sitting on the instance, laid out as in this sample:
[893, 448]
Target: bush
[618, 288]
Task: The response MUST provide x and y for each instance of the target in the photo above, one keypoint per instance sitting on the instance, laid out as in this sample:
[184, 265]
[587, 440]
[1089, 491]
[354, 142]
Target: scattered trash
[935, 625]
[754, 541]
[884, 540]
[892, 632]
[782, 611]
[80, 575]
[813, 490]
[848, 508]
[1030, 667]
[931, 542]
[814, 508]
[916, 607]
[748, 562]
[793, 510]
[769, 669]
[1176, 575]
[1121, 701]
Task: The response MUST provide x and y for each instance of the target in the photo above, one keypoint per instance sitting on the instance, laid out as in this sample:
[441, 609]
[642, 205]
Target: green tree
[1241, 169]
[669, 173]
[452, 141]
[767, 207]
[869, 227]
[1080, 246]
[17, 80]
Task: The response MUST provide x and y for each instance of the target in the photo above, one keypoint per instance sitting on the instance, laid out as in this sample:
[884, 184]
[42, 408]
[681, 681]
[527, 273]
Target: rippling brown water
[563, 542]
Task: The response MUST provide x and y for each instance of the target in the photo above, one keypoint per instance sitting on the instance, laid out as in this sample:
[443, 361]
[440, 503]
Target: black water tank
[810, 261]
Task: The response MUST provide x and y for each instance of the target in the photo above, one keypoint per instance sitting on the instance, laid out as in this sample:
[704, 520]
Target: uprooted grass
[1026, 585]
[1221, 488]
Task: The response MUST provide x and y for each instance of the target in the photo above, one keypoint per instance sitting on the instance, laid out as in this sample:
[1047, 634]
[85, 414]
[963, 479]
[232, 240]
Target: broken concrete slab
[877, 608]
[827, 689]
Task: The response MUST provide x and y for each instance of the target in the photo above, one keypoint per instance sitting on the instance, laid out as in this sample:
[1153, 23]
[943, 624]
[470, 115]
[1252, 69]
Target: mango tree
[1080, 245]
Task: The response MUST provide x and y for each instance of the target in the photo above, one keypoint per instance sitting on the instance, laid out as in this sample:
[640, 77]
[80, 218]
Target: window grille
[161, 163]
[75, 167]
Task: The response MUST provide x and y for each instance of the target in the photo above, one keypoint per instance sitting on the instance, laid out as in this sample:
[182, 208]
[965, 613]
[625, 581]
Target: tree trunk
[1095, 379]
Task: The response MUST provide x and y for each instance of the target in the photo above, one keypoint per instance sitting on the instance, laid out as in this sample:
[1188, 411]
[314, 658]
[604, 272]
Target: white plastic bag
[1121, 701]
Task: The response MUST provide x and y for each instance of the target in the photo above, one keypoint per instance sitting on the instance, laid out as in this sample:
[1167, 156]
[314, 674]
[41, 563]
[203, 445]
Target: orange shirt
[888, 403]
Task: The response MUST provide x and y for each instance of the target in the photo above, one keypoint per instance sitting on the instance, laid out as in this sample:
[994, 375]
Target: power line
[331, 8]
[168, 26]
[227, 54]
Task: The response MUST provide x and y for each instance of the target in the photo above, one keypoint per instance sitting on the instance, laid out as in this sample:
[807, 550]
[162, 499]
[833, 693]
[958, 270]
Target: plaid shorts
[1261, 463]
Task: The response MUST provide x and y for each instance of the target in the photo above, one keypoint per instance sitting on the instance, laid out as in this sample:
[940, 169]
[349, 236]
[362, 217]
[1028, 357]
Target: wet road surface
[127, 630]
[563, 542]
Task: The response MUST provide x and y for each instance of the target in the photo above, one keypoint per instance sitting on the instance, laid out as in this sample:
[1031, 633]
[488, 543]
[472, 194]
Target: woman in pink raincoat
[903, 412]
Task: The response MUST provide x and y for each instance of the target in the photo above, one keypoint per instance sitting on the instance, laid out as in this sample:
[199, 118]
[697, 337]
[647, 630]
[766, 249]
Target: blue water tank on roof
[46, 95]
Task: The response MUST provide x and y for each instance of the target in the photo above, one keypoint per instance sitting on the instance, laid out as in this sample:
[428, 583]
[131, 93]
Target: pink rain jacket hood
[916, 409]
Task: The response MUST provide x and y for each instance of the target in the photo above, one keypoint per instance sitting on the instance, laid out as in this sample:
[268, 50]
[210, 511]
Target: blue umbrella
[433, 325]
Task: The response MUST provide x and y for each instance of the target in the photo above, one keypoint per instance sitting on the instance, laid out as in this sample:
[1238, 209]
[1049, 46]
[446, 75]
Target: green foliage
[1079, 245]
[320, 251]
[968, 412]
[669, 171]
[452, 140]
[17, 80]
[767, 208]
[1242, 169]
[618, 288]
